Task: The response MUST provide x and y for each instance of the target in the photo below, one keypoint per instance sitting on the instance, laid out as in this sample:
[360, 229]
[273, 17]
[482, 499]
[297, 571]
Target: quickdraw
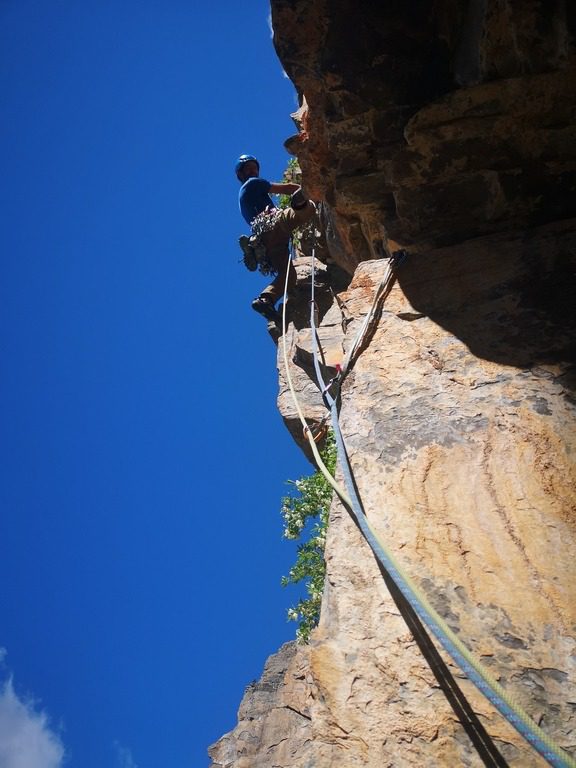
[318, 432]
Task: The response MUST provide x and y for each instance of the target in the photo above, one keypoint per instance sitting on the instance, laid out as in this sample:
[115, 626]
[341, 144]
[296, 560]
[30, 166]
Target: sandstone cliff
[446, 129]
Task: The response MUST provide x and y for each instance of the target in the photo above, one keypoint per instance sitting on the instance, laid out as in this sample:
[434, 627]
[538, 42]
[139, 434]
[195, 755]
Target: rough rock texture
[446, 129]
[426, 123]
[272, 730]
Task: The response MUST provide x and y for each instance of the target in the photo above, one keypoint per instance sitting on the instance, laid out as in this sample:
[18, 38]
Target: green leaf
[312, 502]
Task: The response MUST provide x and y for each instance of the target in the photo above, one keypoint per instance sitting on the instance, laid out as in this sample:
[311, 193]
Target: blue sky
[142, 456]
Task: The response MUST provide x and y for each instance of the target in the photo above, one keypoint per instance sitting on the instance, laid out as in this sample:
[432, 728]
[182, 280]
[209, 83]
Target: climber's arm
[283, 189]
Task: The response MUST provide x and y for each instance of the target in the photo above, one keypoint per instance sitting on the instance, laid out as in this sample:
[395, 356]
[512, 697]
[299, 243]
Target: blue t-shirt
[253, 197]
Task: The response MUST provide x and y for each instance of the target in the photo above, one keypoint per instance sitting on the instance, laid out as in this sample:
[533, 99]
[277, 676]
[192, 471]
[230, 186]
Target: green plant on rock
[291, 175]
[310, 503]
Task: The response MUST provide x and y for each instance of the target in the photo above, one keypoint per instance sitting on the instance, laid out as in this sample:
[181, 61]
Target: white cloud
[26, 740]
[124, 756]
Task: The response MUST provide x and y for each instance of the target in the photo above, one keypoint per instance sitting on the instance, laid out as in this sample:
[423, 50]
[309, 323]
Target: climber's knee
[298, 200]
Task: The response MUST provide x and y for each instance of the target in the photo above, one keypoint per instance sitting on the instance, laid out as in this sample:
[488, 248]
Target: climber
[271, 229]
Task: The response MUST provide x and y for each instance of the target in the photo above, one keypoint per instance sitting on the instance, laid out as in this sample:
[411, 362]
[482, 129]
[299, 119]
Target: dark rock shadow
[511, 297]
[482, 741]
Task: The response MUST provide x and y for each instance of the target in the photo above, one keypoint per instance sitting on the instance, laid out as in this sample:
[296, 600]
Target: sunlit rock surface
[445, 129]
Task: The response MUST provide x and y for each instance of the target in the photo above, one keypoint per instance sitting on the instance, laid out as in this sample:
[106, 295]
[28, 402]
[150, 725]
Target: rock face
[446, 129]
[273, 720]
[427, 123]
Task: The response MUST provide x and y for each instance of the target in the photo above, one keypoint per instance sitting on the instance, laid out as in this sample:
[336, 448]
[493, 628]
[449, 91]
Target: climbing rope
[471, 667]
[382, 291]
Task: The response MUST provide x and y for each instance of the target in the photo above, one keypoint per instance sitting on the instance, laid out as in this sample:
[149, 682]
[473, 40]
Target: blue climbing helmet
[242, 160]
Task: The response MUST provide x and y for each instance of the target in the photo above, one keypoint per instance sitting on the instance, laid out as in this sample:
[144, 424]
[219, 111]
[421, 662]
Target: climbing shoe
[266, 309]
[249, 253]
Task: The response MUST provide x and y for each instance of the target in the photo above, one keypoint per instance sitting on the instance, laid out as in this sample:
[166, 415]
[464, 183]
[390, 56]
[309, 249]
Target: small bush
[309, 507]
[291, 175]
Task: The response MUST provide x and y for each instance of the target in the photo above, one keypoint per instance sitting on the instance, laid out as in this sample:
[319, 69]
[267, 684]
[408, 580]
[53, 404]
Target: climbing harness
[264, 222]
[472, 668]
